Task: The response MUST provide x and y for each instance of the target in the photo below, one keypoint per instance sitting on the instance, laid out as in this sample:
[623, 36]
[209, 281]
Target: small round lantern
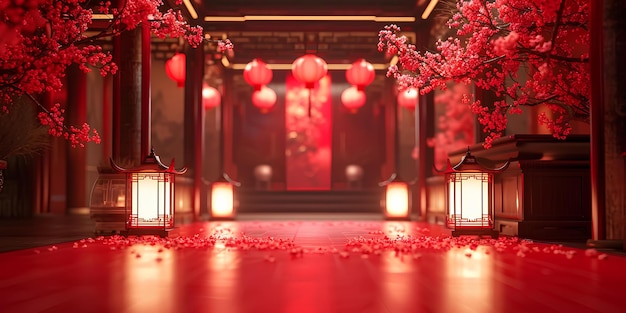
[264, 99]
[408, 98]
[210, 97]
[360, 74]
[353, 98]
[175, 69]
[257, 74]
[309, 69]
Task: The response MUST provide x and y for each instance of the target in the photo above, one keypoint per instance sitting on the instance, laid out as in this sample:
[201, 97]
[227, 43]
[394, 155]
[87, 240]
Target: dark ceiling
[282, 39]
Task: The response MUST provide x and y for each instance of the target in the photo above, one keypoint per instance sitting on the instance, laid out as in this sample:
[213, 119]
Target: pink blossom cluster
[527, 53]
[454, 122]
[40, 39]
[54, 120]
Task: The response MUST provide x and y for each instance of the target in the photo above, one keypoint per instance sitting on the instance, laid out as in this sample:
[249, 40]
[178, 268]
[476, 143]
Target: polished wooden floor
[297, 264]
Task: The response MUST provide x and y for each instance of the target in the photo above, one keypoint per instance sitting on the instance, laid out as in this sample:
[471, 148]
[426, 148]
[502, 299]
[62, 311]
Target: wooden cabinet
[545, 193]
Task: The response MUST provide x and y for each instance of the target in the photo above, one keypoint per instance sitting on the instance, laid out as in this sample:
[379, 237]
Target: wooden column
[424, 128]
[597, 116]
[146, 107]
[194, 126]
[127, 100]
[76, 156]
[609, 117]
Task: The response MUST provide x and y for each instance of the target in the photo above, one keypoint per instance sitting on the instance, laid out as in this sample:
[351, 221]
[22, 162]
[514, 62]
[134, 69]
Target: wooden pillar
[194, 126]
[424, 128]
[105, 133]
[146, 106]
[597, 115]
[127, 108]
[76, 160]
[608, 115]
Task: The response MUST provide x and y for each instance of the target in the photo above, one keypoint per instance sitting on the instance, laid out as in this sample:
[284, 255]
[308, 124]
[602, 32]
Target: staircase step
[353, 201]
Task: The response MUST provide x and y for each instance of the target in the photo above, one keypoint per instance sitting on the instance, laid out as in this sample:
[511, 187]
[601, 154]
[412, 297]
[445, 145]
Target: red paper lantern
[353, 98]
[175, 69]
[408, 98]
[309, 69]
[360, 73]
[210, 97]
[264, 99]
[257, 73]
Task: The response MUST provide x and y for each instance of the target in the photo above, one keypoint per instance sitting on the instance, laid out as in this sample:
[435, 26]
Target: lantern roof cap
[469, 163]
[151, 164]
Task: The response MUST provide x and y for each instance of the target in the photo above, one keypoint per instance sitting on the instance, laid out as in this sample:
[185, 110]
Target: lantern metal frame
[468, 178]
[153, 183]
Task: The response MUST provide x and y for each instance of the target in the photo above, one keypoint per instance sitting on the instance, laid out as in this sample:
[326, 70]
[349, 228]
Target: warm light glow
[408, 98]
[121, 200]
[190, 9]
[140, 267]
[469, 199]
[372, 18]
[394, 60]
[257, 74]
[360, 73]
[151, 200]
[222, 200]
[176, 67]
[353, 99]
[329, 66]
[101, 16]
[225, 61]
[309, 69]
[211, 97]
[264, 99]
[429, 9]
[397, 200]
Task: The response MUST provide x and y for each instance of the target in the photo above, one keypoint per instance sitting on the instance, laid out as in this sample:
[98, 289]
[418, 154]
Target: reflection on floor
[304, 264]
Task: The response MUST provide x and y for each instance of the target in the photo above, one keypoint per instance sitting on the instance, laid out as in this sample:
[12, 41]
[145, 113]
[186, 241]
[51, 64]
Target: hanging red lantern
[175, 68]
[309, 69]
[408, 98]
[210, 97]
[360, 73]
[264, 99]
[353, 98]
[257, 74]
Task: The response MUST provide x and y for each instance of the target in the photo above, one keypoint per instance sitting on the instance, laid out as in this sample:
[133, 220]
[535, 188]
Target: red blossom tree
[39, 39]
[528, 53]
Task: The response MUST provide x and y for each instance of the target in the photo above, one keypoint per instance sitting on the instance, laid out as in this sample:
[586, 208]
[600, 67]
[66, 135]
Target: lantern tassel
[310, 100]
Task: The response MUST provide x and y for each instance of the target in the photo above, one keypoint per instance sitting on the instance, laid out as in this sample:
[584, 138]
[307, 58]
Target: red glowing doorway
[308, 145]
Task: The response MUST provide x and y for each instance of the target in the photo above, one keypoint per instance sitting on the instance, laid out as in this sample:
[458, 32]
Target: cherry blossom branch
[53, 119]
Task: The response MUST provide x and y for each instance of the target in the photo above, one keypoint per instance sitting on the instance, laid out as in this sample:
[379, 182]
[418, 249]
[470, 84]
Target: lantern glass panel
[469, 197]
[397, 200]
[108, 192]
[151, 200]
[222, 201]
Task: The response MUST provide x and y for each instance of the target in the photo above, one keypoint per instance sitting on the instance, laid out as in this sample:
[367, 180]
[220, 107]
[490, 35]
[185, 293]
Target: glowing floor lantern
[223, 202]
[397, 203]
[149, 196]
[470, 197]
